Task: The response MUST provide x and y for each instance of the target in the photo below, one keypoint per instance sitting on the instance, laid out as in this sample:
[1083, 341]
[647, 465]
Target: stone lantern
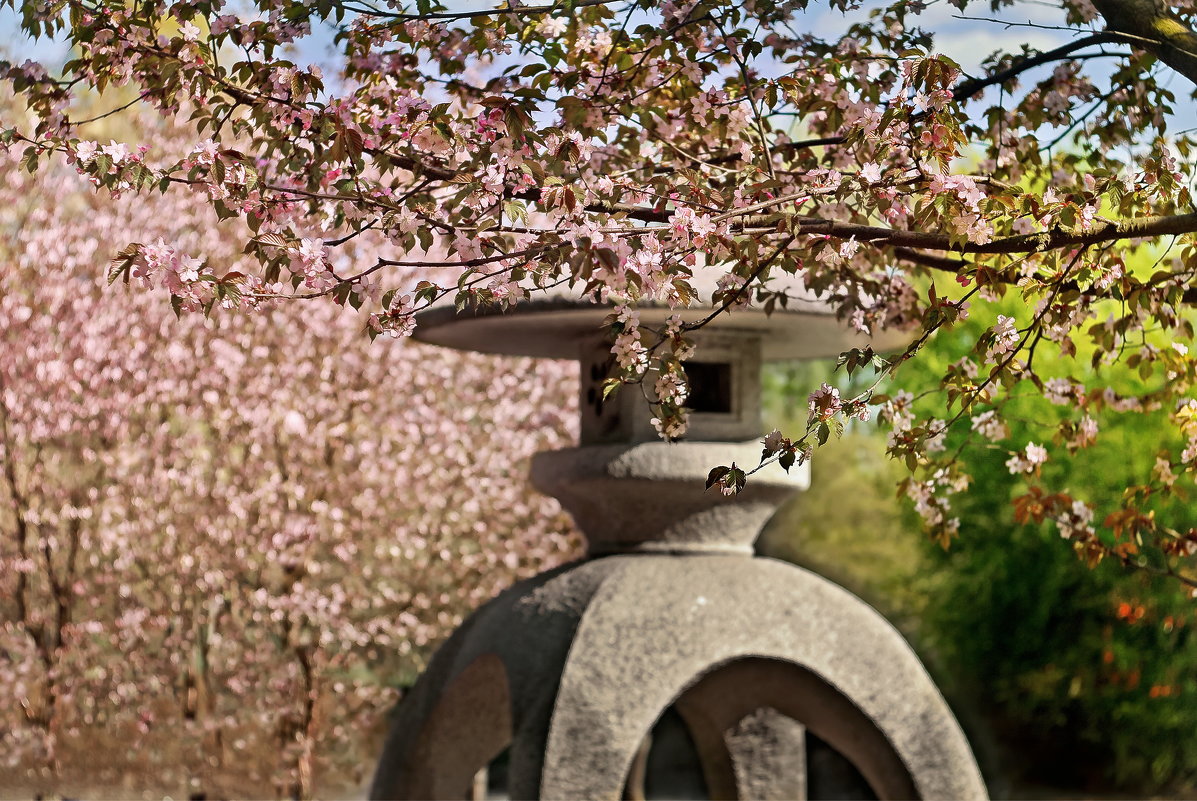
[671, 661]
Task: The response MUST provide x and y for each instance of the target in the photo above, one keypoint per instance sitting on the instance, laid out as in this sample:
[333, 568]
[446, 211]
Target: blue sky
[963, 40]
[966, 41]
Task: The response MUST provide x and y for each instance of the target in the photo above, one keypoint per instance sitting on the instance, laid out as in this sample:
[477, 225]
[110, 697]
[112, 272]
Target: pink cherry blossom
[225, 518]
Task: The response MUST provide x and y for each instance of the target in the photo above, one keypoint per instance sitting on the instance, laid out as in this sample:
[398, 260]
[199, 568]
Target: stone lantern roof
[555, 324]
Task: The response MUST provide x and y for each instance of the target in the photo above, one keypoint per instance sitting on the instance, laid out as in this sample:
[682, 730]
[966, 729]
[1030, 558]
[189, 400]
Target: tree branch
[974, 86]
[954, 266]
[512, 8]
[1153, 27]
[1051, 239]
[942, 263]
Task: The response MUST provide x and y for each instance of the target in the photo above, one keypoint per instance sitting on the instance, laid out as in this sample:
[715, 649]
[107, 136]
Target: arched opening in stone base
[765, 729]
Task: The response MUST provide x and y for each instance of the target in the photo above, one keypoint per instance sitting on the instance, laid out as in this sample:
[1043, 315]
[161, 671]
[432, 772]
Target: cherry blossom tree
[628, 147]
[223, 540]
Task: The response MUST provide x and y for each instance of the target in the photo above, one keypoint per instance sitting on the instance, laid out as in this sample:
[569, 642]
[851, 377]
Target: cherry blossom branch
[735, 297]
[974, 86]
[969, 88]
[1035, 326]
[957, 266]
[813, 424]
[512, 8]
[382, 263]
[122, 107]
[1052, 239]
[748, 94]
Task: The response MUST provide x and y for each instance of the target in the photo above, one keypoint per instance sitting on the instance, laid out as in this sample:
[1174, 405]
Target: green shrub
[1083, 679]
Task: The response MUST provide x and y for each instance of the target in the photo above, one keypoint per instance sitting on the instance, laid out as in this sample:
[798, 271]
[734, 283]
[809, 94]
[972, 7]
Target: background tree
[225, 541]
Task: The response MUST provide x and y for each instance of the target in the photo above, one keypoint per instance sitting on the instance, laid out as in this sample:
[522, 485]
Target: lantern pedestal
[651, 497]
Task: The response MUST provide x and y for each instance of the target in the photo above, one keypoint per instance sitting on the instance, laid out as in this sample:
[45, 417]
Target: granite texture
[585, 659]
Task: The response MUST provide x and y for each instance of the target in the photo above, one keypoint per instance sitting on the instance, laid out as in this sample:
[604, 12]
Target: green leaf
[29, 159]
[122, 262]
[273, 239]
[119, 268]
[516, 211]
[737, 478]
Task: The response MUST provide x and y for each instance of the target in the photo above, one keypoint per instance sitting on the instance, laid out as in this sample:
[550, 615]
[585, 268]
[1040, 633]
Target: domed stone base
[569, 672]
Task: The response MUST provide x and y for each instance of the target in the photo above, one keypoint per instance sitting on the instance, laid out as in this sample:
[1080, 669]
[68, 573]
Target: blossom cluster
[1028, 460]
[628, 350]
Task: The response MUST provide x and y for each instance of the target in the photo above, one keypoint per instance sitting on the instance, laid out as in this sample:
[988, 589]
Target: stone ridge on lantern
[671, 637]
